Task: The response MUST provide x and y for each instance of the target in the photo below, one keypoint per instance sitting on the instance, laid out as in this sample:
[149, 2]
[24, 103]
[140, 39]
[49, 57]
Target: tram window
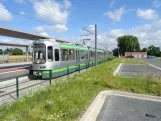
[64, 54]
[56, 54]
[71, 55]
[50, 53]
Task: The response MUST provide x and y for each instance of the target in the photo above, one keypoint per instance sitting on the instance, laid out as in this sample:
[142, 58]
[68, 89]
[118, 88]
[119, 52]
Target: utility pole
[95, 45]
[92, 33]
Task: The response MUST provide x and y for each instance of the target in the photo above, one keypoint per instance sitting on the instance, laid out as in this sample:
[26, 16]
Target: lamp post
[84, 40]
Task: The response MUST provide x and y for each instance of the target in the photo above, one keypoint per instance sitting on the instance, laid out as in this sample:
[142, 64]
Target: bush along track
[67, 100]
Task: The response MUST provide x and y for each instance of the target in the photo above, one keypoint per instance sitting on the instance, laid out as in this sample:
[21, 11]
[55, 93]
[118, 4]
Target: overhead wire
[30, 18]
[31, 3]
[43, 21]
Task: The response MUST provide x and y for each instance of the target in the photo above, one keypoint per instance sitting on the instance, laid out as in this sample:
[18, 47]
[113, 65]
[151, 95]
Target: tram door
[57, 57]
[77, 56]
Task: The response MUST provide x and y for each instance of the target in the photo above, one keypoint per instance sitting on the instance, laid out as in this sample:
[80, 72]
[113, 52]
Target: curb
[94, 109]
[115, 73]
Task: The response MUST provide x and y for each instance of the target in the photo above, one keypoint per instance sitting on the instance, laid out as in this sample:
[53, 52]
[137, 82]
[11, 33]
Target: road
[155, 62]
[133, 70]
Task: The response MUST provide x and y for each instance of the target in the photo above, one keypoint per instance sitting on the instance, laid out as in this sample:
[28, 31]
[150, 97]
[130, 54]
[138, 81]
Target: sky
[65, 19]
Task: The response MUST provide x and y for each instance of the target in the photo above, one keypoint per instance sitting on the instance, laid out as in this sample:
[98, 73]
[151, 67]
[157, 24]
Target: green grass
[67, 100]
[132, 61]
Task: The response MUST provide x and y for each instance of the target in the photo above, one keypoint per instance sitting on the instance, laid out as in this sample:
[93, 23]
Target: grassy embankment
[67, 100]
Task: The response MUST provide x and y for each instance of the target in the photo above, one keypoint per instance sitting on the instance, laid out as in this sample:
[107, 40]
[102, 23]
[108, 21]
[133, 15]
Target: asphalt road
[133, 70]
[155, 62]
[118, 108]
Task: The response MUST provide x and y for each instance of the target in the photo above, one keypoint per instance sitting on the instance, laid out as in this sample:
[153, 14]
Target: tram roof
[73, 47]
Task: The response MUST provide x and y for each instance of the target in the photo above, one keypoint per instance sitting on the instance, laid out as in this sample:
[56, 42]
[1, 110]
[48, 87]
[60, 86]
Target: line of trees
[152, 50]
[13, 51]
[129, 43]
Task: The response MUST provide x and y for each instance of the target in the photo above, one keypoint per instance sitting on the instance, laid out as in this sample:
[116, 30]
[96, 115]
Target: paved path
[118, 108]
[123, 106]
[132, 70]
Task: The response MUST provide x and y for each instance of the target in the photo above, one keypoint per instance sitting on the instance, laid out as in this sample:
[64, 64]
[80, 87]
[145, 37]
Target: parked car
[151, 57]
[130, 56]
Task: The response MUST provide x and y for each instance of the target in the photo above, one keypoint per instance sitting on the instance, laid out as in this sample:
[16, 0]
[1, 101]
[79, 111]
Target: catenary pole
[95, 45]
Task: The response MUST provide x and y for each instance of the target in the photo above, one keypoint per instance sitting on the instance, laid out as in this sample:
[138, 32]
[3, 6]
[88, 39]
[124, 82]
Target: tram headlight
[40, 73]
[37, 73]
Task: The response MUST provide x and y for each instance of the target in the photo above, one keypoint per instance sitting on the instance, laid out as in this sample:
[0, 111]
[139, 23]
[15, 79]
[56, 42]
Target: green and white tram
[59, 58]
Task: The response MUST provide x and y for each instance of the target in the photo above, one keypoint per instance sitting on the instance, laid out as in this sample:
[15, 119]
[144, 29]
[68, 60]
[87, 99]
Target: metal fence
[22, 85]
[7, 58]
[4, 58]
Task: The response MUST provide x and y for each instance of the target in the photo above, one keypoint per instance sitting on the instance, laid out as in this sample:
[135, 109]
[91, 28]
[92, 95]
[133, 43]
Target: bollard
[50, 76]
[79, 68]
[17, 88]
[86, 66]
[68, 71]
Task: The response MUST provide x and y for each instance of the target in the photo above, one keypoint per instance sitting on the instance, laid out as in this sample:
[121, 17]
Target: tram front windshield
[39, 53]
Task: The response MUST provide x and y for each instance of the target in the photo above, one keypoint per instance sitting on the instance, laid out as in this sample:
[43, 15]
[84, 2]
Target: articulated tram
[61, 57]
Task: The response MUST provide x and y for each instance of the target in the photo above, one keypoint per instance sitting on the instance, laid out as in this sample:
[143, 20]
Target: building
[136, 54]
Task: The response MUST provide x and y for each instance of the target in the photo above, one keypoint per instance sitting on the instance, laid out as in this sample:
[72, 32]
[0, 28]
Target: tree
[152, 50]
[115, 52]
[8, 49]
[128, 43]
[144, 50]
[17, 51]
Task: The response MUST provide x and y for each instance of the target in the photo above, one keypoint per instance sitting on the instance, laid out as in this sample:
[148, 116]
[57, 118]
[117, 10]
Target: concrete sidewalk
[123, 106]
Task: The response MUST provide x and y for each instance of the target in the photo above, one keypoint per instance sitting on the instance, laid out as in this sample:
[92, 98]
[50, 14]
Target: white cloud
[19, 1]
[148, 34]
[148, 14]
[92, 27]
[52, 11]
[67, 4]
[56, 28]
[59, 28]
[5, 15]
[116, 15]
[39, 29]
[43, 34]
[22, 13]
[157, 3]
[112, 3]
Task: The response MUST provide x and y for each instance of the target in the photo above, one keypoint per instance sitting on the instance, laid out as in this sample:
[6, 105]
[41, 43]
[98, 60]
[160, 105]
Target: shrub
[17, 51]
